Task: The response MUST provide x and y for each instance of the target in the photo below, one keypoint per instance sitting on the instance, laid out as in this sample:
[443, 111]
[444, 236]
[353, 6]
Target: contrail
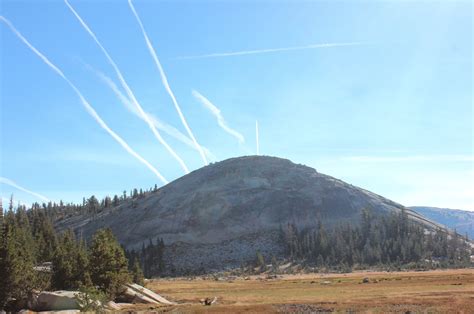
[129, 91]
[217, 113]
[271, 50]
[16, 186]
[165, 83]
[161, 125]
[256, 137]
[84, 102]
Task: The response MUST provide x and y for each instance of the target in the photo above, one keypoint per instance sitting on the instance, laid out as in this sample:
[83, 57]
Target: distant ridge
[461, 220]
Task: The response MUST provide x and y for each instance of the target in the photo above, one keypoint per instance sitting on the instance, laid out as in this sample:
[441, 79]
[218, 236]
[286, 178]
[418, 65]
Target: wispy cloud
[165, 83]
[217, 113]
[413, 158]
[84, 102]
[161, 125]
[129, 92]
[271, 50]
[16, 186]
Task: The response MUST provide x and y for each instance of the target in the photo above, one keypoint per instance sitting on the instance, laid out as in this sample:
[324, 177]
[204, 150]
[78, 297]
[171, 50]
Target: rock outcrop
[220, 215]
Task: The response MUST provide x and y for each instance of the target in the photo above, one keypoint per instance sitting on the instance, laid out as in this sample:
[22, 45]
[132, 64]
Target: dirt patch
[302, 308]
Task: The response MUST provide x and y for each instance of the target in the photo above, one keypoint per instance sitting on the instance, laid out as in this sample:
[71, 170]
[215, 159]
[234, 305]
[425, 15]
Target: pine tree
[44, 236]
[70, 263]
[16, 260]
[116, 200]
[260, 261]
[137, 273]
[93, 205]
[108, 265]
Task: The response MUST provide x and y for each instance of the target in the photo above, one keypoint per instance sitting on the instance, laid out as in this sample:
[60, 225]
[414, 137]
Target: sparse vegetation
[91, 299]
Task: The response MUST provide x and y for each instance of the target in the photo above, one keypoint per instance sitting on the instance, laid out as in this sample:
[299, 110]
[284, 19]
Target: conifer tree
[108, 265]
[137, 273]
[70, 263]
[16, 260]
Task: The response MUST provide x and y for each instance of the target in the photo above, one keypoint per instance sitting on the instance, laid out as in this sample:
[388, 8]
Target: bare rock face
[221, 214]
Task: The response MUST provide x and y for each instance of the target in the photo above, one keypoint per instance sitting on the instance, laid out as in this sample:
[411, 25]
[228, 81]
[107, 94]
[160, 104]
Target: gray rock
[218, 216]
[57, 301]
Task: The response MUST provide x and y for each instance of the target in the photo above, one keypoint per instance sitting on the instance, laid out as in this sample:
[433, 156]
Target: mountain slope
[223, 213]
[461, 220]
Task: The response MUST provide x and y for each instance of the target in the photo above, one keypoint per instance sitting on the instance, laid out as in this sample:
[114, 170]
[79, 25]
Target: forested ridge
[91, 206]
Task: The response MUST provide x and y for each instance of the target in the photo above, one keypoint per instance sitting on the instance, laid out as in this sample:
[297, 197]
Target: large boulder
[56, 301]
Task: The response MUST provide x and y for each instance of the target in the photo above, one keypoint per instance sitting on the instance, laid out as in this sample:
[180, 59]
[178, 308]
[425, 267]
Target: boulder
[57, 301]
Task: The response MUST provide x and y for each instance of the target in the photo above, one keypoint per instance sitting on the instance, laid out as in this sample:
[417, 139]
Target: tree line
[28, 241]
[149, 258]
[390, 240]
[91, 206]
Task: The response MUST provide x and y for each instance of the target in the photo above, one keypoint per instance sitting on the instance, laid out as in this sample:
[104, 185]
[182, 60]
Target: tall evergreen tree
[16, 260]
[108, 265]
[70, 263]
[137, 273]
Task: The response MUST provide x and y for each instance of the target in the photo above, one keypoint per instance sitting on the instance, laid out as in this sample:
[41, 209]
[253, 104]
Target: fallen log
[149, 294]
[132, 296]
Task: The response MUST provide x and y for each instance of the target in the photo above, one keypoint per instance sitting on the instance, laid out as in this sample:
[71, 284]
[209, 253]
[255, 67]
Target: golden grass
[449, 291]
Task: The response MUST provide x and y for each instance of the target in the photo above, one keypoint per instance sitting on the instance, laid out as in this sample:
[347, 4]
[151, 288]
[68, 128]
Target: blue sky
[392, 113]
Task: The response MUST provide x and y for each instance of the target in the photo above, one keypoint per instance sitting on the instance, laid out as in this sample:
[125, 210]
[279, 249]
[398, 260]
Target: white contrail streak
[271, 50]
[165, 83]
[161, 125]
[16, 186]
[85, 103]
[256, 137]
[128, 90]
[217, 113]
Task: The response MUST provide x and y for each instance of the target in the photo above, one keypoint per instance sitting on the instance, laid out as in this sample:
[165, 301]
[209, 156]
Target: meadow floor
[439, 291]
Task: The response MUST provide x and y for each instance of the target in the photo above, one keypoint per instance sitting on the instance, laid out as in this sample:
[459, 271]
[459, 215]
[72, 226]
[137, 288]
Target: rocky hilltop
[221, 214]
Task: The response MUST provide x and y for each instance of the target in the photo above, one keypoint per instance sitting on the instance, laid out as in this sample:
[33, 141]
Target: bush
[91, 299]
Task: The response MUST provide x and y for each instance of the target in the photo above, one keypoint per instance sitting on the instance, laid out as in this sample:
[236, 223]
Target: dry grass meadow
[440, 291]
